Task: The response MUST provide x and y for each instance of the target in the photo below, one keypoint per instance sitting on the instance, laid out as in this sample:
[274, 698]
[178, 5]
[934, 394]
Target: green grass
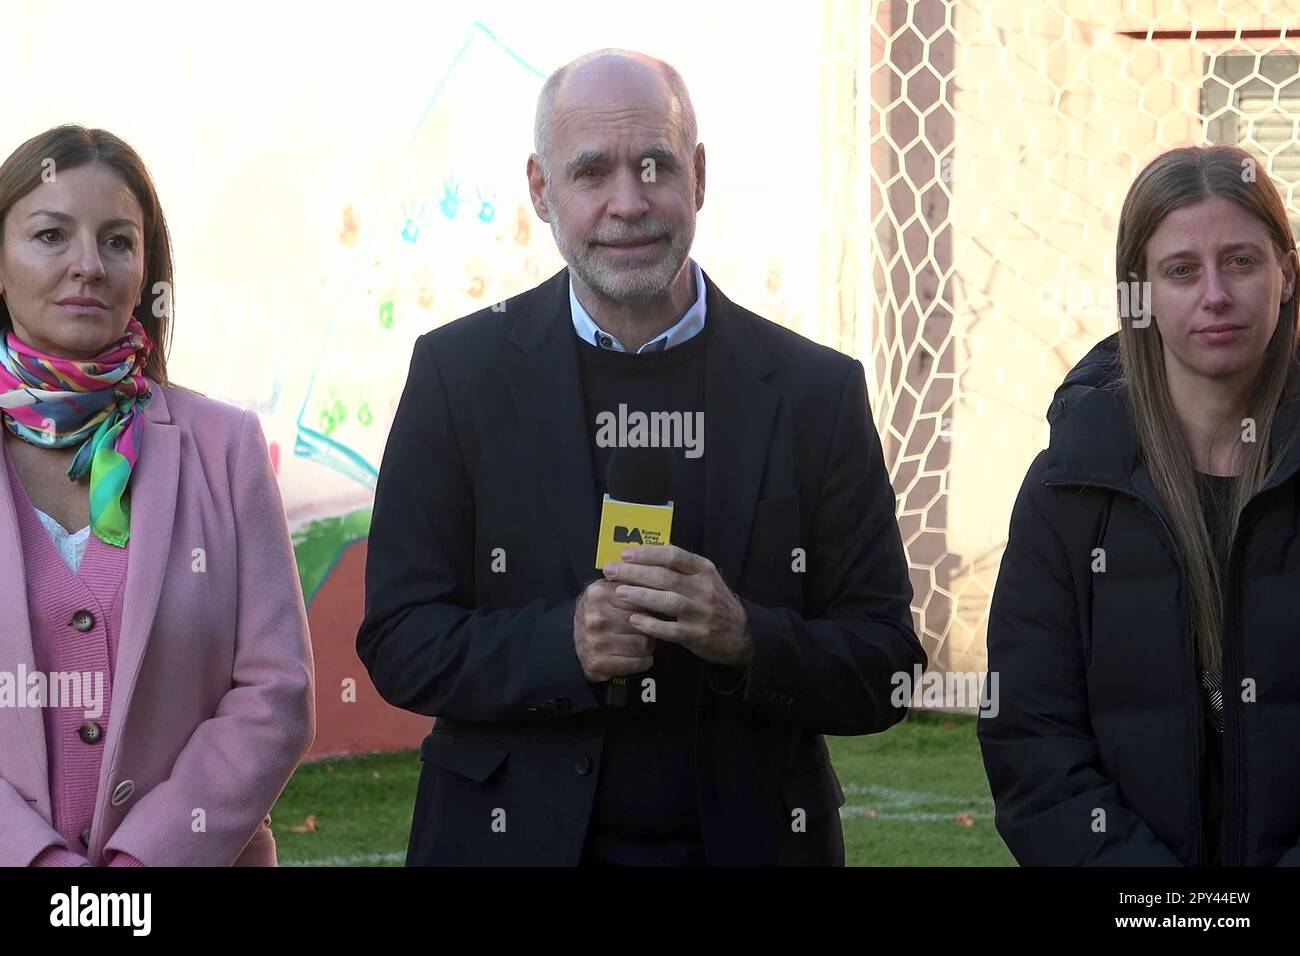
[351, 807]
[915, 796]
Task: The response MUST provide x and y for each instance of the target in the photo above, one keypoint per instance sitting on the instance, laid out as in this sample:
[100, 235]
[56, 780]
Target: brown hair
[1177, 178]
[73, 146]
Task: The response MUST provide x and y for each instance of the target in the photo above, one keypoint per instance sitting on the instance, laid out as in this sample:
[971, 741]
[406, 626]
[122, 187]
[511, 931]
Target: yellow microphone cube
[627, 523]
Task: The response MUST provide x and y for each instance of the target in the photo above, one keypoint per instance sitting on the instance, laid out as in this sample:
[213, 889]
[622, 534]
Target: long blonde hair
[1174, 179]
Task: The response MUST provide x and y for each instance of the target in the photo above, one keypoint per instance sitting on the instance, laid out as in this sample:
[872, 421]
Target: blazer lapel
[16, 651]
[546, 386]
[740, 407]
[153, 512]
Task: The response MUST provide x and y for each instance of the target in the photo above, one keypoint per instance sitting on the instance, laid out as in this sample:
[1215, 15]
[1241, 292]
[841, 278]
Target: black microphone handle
[616, 692]
[616, 687]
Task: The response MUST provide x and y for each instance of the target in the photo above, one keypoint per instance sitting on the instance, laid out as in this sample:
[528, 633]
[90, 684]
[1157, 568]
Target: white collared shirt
[689, 325]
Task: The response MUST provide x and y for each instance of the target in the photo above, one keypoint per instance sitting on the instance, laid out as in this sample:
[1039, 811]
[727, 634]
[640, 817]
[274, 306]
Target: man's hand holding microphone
[658, 592]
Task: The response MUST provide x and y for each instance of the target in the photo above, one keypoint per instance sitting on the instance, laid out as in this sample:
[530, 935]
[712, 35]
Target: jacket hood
[1093, 437]
[1100, 367]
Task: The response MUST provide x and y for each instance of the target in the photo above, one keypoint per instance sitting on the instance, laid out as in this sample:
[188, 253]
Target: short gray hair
[544, 124]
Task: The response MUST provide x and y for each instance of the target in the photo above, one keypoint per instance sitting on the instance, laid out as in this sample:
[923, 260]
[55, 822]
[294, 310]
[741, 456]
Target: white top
[70, 544]
[690, 324]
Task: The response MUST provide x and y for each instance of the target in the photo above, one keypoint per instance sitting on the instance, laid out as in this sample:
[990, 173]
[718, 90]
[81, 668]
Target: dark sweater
[647, 805]
[1216, 494]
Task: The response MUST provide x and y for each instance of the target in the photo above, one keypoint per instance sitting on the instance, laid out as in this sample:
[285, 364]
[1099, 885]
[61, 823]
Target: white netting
[1003, 137]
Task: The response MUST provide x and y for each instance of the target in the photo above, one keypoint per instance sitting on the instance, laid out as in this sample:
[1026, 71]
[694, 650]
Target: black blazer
[489, 450]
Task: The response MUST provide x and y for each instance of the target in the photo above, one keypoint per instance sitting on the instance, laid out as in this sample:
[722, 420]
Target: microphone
[637, 510]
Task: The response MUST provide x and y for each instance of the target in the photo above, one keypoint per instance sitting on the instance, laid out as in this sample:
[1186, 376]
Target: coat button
[583, 766]
[85, 838]
[122, 793]
[83, 621]
[90, 732]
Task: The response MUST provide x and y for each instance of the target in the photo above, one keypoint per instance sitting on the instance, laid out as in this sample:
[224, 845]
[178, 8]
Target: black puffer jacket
[1094, 753]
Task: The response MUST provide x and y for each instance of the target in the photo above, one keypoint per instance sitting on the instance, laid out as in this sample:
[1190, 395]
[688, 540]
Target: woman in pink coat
[155, 668]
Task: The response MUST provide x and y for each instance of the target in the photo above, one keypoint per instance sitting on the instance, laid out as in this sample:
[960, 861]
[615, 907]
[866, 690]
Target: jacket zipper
[1198, 705]
[1233, 846]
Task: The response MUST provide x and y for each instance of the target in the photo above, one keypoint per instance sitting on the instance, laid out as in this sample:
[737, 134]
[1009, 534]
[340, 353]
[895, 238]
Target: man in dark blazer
[779, 613]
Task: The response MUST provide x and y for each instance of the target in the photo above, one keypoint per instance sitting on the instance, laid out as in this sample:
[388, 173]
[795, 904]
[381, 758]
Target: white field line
[851, 811]
[887, 803]
[355, 859]
[888, 796]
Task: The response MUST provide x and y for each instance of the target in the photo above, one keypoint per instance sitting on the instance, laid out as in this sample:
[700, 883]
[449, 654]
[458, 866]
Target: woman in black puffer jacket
[1145, 627]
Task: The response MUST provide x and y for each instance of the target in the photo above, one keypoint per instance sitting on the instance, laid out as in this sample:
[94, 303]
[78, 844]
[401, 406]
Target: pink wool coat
[212, 704]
